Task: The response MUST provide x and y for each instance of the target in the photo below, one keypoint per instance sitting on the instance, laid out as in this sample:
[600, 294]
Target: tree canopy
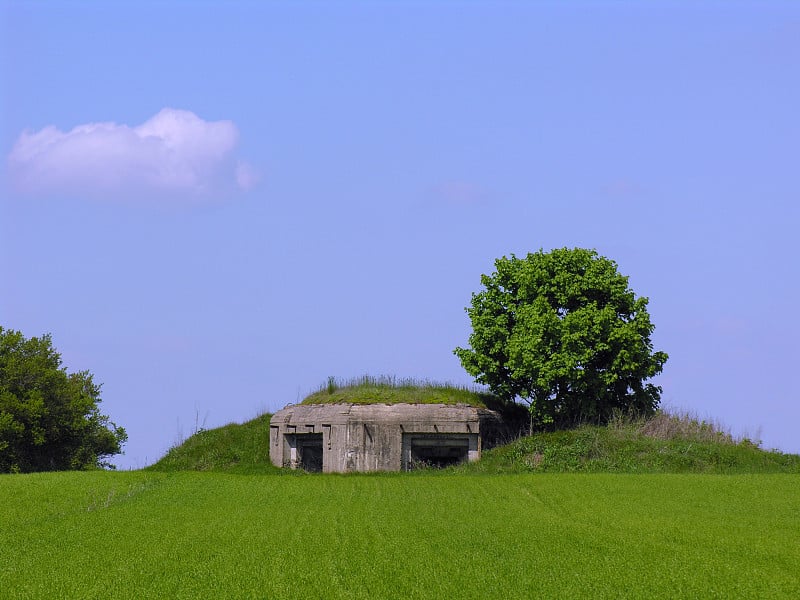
[49, 419]
[562, 331]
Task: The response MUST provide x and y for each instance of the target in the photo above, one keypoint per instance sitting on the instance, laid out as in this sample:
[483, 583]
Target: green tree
[562, 331]
[49, 419]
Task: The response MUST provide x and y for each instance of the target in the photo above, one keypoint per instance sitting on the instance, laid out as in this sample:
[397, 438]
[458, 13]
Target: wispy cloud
[460, 193]
[174, 152]
[621, 188]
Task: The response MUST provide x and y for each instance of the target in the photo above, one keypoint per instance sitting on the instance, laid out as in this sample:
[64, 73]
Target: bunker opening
[435, 450]
[305, 451]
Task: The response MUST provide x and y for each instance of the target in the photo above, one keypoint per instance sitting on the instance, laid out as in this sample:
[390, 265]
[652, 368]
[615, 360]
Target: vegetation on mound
[391, 390]
[664, 443]
[233, 448]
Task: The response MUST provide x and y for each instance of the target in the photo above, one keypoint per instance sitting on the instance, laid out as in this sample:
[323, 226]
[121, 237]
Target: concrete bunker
[335, 438]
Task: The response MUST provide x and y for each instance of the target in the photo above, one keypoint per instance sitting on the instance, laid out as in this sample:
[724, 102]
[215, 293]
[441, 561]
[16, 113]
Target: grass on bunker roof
[392, 390]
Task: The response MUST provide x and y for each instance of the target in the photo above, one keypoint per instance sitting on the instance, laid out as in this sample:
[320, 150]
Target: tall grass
[669, 425]
[390, 382]
[388, 389]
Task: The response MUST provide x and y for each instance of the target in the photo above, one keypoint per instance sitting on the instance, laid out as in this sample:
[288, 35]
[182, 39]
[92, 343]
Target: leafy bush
[49, 418]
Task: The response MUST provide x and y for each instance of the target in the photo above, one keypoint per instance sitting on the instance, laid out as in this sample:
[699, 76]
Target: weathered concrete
[379, 437]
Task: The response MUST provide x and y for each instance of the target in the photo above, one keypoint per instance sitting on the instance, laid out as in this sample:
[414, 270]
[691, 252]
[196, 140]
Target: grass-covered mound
[664, 443]
[233, 448]
[390, 390]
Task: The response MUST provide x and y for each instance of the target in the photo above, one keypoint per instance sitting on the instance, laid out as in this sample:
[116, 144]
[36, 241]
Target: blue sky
[215, 206]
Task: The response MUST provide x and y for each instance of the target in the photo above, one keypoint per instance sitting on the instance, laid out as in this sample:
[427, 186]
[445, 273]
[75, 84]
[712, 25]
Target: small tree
[49, 419]
[562, 331]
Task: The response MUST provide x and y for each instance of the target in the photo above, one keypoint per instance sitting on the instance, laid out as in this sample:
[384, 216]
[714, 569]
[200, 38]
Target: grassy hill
[665, 443]
[234, 448]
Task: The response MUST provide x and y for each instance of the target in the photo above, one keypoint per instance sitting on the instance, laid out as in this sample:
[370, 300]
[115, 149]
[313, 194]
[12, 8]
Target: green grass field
[152, 534]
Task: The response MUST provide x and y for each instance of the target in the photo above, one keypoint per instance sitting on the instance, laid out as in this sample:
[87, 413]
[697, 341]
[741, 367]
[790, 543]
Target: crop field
[426, 535]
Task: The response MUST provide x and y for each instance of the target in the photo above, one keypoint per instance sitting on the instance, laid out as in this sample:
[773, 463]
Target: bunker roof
[341, 413]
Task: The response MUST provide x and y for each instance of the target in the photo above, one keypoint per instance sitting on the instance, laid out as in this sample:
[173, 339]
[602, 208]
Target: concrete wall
[378, 437]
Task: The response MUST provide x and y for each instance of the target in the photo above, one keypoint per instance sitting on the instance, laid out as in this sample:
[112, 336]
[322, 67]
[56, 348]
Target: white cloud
[174, 152]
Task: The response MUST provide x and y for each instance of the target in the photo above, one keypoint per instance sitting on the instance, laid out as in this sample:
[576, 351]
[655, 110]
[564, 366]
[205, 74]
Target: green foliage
[212, 535]
[234, 448]
[562, 331]
[391, 390]
[663, 443]
[49, 419]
